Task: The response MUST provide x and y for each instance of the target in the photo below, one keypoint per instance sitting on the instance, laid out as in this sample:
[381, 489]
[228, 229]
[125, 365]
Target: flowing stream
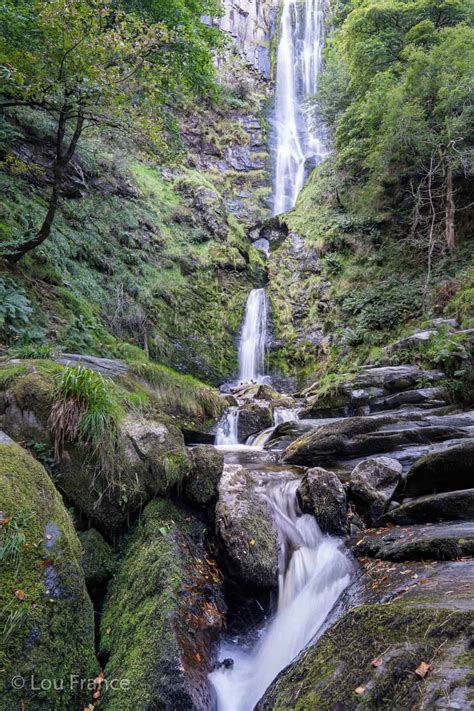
[313, 570]
[299, 135]
[313, 573]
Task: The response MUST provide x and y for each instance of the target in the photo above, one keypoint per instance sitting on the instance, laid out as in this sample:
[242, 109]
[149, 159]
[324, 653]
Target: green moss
[47, 616]
[328, 673]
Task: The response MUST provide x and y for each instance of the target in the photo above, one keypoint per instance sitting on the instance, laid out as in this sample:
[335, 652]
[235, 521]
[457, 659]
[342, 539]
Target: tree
[91, 64]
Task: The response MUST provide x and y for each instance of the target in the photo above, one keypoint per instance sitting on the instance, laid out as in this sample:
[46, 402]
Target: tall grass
[86, 410]
[179, 394]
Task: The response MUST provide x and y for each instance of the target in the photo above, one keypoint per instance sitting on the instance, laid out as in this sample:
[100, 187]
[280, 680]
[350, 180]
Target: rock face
[163, 615]
[98, 559]
[447, 470]
[322, 494]
[253, 417]
[250, 24]
[47, 616]
[246, 531]
[452, 505]
[372, 485]
[202, 481]
[439, 541]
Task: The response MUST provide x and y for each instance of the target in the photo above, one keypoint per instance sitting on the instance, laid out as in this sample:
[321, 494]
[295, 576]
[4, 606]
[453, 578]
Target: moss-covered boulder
[246, 531]
[27, 406]
[369, 660]
[205, 472]
[163, 615]
[47, 616]
[322, 494]
[448, 470]
[98, 559]
[448, 506]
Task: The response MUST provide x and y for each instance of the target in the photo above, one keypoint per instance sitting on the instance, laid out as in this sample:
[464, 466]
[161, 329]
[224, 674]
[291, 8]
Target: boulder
[447, 470]
[253, 417]
[98, 559]
[372, 485]
[27, 408]
[438, 541]
[163, 615]
[202, 481]
[452, 505]
[47, 617]
[322, 494]
[153, 459]
[246, 530]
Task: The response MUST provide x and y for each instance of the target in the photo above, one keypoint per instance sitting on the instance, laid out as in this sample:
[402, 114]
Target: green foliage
[15, 309]
[41, 351]
[86, 410]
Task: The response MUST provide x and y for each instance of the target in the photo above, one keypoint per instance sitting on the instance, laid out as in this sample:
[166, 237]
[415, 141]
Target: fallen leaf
[252, 542]
[422, 669]
[197, 656]
[20, 594]
[108, 630]
[360, 690]
[4, 520]
[377, 662]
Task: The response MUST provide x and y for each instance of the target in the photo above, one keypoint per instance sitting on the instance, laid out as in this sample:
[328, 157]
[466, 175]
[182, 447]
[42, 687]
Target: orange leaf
[4, 520]
[197, 656]
[422, 669]
[360, 690]
[20, 594]
[377, 661]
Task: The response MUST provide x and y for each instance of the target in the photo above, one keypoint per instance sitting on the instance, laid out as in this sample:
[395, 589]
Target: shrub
[15, 309]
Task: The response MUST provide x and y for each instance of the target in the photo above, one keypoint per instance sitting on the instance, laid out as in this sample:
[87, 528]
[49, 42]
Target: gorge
[236, 355]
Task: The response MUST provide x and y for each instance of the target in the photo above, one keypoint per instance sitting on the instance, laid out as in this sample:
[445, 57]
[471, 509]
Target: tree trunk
[450, 210]
[59, 165]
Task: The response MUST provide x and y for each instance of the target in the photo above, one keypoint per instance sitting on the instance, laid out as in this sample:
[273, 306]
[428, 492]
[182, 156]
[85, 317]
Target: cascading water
[227, 432]
[254, 334]
[313, 574]
[299, 136]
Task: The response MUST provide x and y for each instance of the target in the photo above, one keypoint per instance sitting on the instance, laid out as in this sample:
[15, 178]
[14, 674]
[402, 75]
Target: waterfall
[227, 432]
[284, 414]
[254, 334]
[299, 136]
[313, 573]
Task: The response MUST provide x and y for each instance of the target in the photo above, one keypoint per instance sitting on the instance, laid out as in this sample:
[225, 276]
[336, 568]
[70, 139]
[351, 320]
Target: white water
[254, 335]
[284, 414]
[313, 573]
[299, 136]
[227, 432]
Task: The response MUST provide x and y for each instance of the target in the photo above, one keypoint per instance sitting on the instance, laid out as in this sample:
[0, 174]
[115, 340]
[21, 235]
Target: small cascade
[298, 135]
[227, 432]
[313, 573]
[284, 414]
[253, 339]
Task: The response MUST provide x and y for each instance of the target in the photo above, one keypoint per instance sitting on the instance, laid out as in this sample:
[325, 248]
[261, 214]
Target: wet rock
[202, 481]
[98, 559]
[261, 391]
[322, 494]
[27, 408]
[372, 485]
[163, 616]
[364, 436]
[396, 377]
[246, 530]
[452, 505]
[253, 417]
[47, 615]
[339, 671]
[439, 541]
[447, 470]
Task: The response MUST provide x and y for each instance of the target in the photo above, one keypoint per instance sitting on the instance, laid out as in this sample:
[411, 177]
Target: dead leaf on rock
[360, 690]
[20, 594]
[377, 662]
[422, 669]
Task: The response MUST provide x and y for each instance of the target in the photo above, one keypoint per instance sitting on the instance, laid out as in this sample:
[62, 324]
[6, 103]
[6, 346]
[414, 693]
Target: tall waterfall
[299, 136]
[254, 334]
[313, 573]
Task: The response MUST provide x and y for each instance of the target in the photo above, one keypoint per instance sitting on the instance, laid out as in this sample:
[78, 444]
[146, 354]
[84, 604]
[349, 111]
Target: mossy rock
[47, 615]
[339, 671]
[447, 470]
[98, 559]
[28, 404]
[163, 615]
[207, 464]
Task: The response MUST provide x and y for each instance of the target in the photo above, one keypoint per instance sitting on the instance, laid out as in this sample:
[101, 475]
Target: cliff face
[251, 24]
